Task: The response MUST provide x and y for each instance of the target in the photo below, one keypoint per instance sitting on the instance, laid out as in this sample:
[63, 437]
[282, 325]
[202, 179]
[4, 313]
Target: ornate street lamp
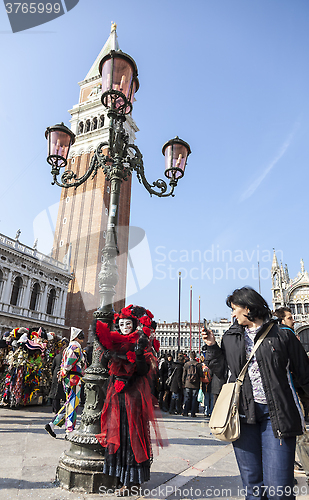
[60, 139]
[82, 465]
[119, 81]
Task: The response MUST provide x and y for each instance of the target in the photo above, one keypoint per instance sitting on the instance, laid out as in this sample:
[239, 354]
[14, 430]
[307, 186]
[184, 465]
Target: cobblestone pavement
[193, 466]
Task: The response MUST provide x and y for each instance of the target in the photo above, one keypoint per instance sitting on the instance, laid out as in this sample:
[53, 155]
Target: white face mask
[125, 326]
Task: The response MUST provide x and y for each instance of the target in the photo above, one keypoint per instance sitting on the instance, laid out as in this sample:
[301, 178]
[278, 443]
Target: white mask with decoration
[126, 326]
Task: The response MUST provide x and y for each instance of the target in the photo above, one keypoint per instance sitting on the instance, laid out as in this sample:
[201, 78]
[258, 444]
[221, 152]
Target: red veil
[140, 404]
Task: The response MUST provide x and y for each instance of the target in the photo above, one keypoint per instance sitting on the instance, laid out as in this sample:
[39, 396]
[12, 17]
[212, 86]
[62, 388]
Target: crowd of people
[274, 400]
[187, 383]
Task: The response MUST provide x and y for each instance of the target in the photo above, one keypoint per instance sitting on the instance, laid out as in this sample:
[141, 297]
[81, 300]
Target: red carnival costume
[129, 405]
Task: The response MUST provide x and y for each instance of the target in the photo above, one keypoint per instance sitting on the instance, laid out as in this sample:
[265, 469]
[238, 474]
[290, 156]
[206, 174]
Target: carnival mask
[125, 326]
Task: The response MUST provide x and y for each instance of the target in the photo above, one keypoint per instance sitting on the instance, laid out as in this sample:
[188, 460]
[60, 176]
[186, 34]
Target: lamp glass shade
[59, 140]
[175, 160]
[59, 143]
[118, 75]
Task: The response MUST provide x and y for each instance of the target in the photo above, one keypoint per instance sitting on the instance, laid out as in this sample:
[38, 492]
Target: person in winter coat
[56, 393]
[162, 376]
[167, 390]
[216, 386]
[206, 385]
[270, 416]
[191, 376]
[176, 386]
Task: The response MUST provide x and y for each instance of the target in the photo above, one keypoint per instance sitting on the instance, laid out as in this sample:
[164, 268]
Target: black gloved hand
[141, 344]
[106, 356]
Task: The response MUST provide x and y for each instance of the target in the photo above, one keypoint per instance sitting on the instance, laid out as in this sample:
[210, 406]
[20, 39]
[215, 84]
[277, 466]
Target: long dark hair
[248, 297]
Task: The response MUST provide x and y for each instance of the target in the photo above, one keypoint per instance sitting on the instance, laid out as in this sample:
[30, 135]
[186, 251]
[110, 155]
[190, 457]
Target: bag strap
[172, 374]
[241, 376]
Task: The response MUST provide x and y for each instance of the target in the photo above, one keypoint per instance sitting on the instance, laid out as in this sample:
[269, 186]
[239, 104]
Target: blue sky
[230, 77]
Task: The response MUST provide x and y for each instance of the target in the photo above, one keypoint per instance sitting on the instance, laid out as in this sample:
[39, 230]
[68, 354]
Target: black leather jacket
[279, 354]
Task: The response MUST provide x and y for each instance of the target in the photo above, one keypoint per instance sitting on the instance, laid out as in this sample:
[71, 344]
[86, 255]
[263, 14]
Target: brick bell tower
[82, 214]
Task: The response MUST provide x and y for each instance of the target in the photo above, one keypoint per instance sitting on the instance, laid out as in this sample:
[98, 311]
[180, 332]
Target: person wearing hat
[128, 411]
[56, 393]
[71, 370]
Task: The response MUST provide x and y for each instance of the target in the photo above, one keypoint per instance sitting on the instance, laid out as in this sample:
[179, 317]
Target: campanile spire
[83, 213]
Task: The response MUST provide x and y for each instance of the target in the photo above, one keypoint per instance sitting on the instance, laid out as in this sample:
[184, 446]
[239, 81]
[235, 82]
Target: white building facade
[33, 288]
[292, 293]
[167, 334]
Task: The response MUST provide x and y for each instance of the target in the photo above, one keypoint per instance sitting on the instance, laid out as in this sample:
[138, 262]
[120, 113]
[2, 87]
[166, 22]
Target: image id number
[32, 8]
[272, 491]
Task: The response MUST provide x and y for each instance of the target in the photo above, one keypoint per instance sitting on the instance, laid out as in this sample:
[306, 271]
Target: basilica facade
[292, 293]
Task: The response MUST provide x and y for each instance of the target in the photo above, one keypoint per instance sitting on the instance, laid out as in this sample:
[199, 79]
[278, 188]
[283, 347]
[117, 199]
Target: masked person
[129, 405]
[56, 393]
[71, 371]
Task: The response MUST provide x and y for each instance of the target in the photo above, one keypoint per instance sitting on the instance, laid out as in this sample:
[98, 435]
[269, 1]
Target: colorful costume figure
[71, 371]
[26, 369]
[129, 405]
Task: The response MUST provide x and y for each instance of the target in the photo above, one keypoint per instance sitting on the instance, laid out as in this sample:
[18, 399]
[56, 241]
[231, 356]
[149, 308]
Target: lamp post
[81, 466]
[190, 318]
[179, 296]
[199, 325]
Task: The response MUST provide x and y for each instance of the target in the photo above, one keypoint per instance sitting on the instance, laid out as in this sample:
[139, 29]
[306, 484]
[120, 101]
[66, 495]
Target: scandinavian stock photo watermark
[214, 263]
[165, 491]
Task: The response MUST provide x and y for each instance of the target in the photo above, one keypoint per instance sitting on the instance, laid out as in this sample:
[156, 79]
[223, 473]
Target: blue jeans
[266, 464]
[208, 403]
[190, 401]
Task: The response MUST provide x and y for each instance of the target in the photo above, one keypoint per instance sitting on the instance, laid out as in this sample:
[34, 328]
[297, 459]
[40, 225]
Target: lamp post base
[80, 468]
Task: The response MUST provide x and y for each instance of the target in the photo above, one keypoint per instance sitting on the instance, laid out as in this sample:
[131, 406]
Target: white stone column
[7, 289]
[57, 304]
[64, 302]
[21, 295]
[26, 297]
[44, 299]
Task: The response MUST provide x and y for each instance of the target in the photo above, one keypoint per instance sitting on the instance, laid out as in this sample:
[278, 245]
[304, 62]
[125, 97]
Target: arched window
[80, 128]
[94, 124]
[101, 121]
[170, 341]
[306, 307]
[299, 308]
[34, 297]
[16, 290]
[51, 301]
[292, 307]
[87, 126]
[174, 341]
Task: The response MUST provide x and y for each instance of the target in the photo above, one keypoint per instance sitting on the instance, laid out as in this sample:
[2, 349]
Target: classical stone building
[83, 213]
[292, 293]
[33, 288]
[167, 334]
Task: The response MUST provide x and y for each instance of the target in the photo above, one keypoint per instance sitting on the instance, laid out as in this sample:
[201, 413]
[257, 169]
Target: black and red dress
[128, 416]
